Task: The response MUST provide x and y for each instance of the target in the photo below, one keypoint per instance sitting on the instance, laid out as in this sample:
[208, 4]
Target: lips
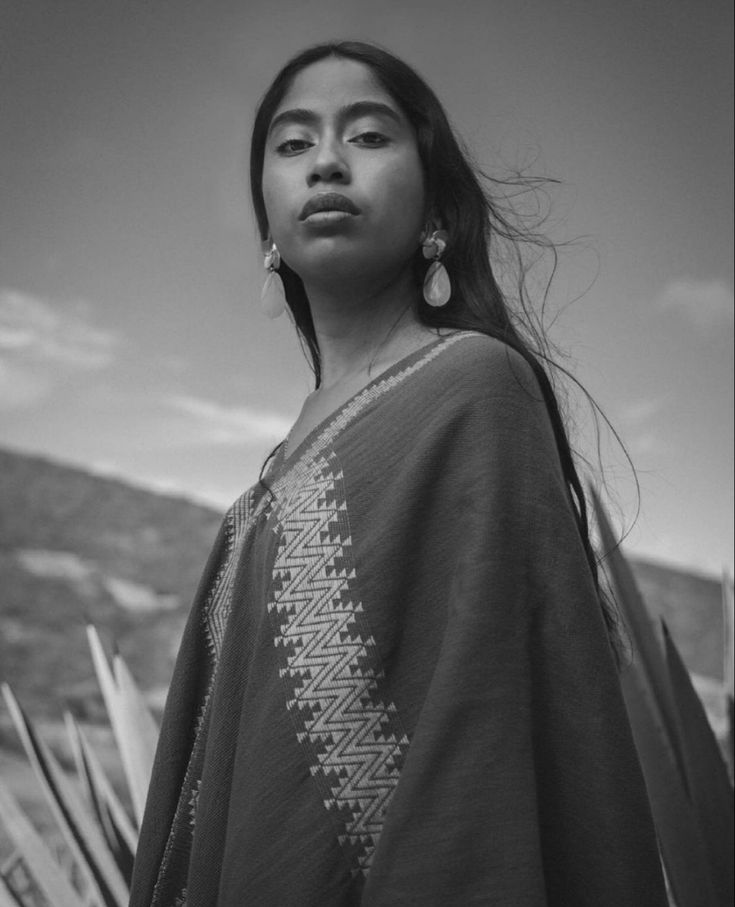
[328, 201]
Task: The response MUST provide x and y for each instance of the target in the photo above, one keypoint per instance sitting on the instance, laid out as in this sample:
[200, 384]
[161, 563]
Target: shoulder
[477, 366]
[492, 392]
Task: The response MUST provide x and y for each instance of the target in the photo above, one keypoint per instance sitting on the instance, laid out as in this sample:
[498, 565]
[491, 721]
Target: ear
[433, 223]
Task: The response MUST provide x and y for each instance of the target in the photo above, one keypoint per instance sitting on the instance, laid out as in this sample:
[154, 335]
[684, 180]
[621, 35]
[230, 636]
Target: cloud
[638, 422]
[220, 424]
[635, 412]
[706, 304]
[40, 342]
[34, 330]
[645, 443]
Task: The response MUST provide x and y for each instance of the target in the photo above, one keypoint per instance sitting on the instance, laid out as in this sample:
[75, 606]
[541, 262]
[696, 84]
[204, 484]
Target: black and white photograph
[366, 453]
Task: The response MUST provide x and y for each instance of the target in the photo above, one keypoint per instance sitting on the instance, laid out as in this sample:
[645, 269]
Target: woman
[398, 684]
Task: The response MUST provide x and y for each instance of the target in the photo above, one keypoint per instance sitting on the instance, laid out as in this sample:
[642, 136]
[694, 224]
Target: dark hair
[480, 229]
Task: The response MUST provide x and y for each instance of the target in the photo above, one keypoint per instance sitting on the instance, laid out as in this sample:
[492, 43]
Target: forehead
[334, 83]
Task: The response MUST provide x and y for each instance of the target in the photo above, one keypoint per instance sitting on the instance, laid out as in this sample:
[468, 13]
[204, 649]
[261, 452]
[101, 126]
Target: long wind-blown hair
[481, 230]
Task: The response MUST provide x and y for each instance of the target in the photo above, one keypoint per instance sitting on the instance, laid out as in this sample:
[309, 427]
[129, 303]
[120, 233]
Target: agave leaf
[104, 677]
[7, 898]
[709, 786]
[119, 832]
[103, 789]
[76, 749]
[648, 659]
[135, 730]
[730, 743]
[680, 840]
[46, 872]
[648, 698]
[728, 621]
[84, 839]
[141, 733]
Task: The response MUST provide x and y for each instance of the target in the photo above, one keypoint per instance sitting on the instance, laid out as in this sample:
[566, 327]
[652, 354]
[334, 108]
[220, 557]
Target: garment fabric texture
[395, 686]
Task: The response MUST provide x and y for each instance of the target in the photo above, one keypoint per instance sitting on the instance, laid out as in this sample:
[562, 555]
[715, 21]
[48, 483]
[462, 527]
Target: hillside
[77, 547]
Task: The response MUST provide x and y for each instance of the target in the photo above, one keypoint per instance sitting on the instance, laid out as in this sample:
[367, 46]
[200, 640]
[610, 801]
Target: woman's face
[342, 179]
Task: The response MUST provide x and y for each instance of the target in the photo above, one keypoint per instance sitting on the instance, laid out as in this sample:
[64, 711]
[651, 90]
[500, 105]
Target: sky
[131, 340]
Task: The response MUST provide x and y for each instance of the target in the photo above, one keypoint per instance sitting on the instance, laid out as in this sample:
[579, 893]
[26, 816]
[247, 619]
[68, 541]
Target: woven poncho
[395, 686]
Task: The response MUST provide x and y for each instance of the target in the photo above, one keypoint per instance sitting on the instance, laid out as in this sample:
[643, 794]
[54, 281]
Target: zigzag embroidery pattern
[219, 604]
[330, 663]
[216, 611]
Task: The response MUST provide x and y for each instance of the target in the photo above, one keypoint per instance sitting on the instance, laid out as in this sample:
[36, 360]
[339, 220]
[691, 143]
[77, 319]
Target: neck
[360, 328]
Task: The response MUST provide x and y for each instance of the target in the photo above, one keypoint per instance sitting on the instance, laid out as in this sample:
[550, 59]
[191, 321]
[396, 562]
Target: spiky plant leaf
[648, 658]
[649, 701]
[132, 724]
[680, 840]
[709, 786]
[44, 869]
[728, 620]
[100, 784]
[141, 730]
[93, 801]
[119, 832]
[83, 837]
[7, 898]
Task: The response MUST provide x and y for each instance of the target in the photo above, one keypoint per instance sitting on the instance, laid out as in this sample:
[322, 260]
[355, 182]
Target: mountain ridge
[79, 547]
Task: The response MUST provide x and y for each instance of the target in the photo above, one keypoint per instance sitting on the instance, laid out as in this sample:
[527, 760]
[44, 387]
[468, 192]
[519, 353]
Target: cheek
[403, 186]
[406, 200]
[273, 196]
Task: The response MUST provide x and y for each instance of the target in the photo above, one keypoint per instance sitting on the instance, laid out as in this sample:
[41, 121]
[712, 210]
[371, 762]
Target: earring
[273, 295]
[437, 286]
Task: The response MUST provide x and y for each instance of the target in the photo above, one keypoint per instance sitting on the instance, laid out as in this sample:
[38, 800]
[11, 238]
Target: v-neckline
[285, 459]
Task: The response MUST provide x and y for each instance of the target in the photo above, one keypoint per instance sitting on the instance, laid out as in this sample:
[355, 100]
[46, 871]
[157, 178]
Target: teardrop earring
[273, 295]
[437, 286]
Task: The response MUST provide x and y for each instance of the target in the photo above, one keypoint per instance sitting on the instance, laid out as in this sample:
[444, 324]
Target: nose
[329, 164]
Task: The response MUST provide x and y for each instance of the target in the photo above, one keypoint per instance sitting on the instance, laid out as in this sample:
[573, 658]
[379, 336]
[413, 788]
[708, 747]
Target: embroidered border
[219, 603]
[330, 664]
[293, 474]
[173, 870]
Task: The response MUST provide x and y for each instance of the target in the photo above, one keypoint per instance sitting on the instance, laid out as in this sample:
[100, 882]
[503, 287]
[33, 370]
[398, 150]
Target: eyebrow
[348, 112]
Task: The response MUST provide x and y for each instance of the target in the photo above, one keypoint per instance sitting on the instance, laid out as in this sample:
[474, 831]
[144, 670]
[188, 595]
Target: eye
[292, 146]
[373, 139]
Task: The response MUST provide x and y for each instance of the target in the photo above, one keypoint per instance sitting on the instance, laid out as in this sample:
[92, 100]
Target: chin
[347, 261]
[332, 260]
